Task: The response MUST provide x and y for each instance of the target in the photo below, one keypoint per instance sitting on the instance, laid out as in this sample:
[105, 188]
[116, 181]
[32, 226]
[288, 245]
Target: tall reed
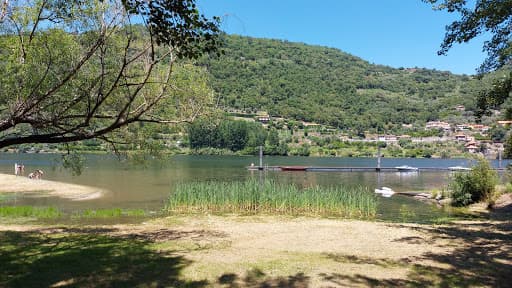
[252, 197]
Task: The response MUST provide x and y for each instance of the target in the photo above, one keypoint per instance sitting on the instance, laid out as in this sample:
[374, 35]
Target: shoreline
[74, 192]
[224, 152]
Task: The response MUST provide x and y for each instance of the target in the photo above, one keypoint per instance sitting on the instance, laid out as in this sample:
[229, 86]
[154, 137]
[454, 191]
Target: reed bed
[269, 197]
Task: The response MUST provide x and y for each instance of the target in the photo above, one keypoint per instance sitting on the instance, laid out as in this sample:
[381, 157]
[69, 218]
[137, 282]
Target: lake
[148, 188]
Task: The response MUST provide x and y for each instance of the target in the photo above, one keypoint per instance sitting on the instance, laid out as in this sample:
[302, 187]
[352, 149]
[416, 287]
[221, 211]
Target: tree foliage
[178, 23]
[507, 151]
[75, 70]
[493, 17]
[482, 17]
[496, 96]
[234, 135]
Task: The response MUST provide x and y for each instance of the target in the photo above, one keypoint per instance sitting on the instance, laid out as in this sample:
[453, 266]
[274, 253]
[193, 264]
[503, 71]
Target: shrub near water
[250, 197]
[474, 186]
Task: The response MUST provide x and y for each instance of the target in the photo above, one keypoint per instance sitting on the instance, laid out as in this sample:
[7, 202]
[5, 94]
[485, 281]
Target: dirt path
[11, 183]
[264, 251]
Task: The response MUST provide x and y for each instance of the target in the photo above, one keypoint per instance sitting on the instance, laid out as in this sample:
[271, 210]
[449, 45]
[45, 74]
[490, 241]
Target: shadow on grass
[482, 259]
[94, 257]
[257, 278]
[340, 280]
[382, 262]
[86, 258]
[502, 213]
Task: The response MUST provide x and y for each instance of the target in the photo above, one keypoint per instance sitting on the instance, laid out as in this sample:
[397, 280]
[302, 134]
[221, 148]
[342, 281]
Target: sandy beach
[21, 184]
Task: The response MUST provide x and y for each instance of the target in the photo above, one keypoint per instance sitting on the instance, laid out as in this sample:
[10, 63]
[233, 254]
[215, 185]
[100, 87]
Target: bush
[474, 186]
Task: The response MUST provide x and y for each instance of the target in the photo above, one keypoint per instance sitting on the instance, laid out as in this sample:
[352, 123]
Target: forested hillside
[326, 85]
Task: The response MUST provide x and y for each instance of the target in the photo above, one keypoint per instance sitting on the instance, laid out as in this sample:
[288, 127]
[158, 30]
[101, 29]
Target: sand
[46, 188]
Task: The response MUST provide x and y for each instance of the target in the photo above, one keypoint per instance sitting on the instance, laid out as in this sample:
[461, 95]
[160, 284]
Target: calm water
[149, 187]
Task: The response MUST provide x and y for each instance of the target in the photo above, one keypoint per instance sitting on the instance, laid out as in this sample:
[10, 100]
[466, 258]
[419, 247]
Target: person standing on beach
[16, 169]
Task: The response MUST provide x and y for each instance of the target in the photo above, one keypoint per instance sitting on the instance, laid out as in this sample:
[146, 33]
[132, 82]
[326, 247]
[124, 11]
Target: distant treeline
[235, 135]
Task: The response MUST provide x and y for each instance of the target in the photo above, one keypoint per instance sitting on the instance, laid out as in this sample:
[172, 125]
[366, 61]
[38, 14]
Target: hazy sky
[397, 33]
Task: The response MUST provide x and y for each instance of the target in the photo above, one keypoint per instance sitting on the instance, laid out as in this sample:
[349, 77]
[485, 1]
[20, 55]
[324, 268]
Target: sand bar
[21, 184]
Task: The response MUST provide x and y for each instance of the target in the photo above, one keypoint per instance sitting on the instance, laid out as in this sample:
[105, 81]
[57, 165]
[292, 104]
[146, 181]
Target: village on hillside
[467, 138]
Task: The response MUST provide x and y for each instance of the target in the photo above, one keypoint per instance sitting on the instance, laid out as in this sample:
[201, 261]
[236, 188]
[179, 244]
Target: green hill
[326, 85]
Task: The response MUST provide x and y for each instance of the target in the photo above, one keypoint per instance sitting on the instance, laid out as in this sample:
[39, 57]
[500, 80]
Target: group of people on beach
[19, 170]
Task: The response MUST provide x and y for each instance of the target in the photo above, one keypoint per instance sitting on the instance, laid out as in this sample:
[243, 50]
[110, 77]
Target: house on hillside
[460, 108]
[479, 127]
[471, 147]
[438, 125]
[462, 127]
[387, 138]
[461, 137]
[505, 123]
[263, 119]
[310, 124]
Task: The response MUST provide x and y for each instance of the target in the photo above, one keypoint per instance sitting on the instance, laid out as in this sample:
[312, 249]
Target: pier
[357, 169]
[378, 168]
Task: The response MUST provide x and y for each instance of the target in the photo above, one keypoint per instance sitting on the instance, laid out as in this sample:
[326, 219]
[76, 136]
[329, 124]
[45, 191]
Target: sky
[396, 33]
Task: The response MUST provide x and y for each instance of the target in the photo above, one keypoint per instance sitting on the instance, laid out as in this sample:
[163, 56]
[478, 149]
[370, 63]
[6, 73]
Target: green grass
[52, 212]
[29, 211]
[110, 213]
[253, 197]
[85, 257]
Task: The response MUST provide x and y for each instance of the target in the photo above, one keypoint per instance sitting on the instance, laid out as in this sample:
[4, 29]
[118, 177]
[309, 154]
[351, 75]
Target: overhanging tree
[492, 17]
[76, 70]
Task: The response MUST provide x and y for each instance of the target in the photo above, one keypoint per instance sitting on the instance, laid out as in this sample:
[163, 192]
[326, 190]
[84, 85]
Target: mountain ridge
[329, 86]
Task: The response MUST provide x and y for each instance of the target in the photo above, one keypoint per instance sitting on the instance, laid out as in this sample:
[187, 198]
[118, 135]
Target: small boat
[268, 168]
[385, 191]
[252, 167]
[459, 168]
[382, 190]
[406, 168]
[293, 168]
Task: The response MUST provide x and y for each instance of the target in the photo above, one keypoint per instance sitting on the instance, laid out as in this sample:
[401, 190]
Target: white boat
[406, 168]
[385, 191]
[459, 168]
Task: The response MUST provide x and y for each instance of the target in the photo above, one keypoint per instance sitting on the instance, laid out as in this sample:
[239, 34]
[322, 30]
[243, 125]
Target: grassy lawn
[257, 251]
[84, 258]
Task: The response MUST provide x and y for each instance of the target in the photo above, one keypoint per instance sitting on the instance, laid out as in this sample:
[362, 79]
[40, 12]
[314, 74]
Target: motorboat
[406, 168]
[459, 168]
[385, 191]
